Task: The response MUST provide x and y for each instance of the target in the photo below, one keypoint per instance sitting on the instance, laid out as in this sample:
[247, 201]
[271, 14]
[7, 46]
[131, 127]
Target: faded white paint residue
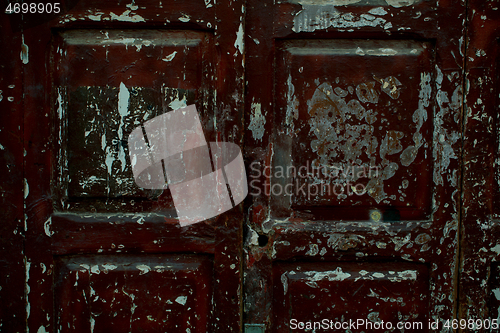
[126, 16]
[378, 11]
[444, 140]
[123, 100]
[26, 188]
[94, 17]
[284, 281]
[46, 227]
[419, 117]
[108, 267]
[374, 317]
[292, 108]
[326, 2]
[181, 300]
[401, 3]
[318, 17]
[313, 250]
[24, 52]
[208, 3]
[336, 275]
[170, 57]
[27, 291]
[143, 268]
[239, 43]
[111, 154]
[257, 121]
[404, 275]
[95, 269]
[496, 249]
[178, 103]
[41, 329]
[185, 18]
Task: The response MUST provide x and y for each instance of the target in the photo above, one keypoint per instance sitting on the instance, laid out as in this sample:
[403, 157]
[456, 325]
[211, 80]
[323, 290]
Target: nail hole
[262, 240]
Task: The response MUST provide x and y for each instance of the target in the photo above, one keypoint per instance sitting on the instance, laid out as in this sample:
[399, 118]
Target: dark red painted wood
[101, 253]
[369, 83]
[480, 247]
[12, 265]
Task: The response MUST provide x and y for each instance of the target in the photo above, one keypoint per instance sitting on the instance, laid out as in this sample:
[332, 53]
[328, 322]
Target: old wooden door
[480, 247]
[101, 254]
[354, 143]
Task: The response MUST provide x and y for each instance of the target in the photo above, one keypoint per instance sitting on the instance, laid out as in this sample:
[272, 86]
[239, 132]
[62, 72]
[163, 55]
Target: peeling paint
[239, 43]
[24, 55]
[257, 121]
[143, 268]
[181, 300]
[126, 16]
[292, 109]
[170, 57]
[46, 227]
[443, 141]
[318, 17]
[336, 275]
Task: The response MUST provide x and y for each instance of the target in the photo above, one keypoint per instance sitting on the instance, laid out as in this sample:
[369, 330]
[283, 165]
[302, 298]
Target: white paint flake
[401, 3]
[108, 267]
[292, 106]
[378, 11]
[41, 329]
[123, 100]
[24, 52]
[239, 44]
[170, 57]
[178, 103]
[496, 249]
[257, 121]
[27, 291]
[336, 275]
[126, 16]
[46, 227]
[181, 300]
[26, 188]
[317, 17]
[284, 281]
[143, 268]
[184, 18]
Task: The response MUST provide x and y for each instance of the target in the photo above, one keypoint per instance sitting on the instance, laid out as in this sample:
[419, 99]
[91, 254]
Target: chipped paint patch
[27, 291]
[239, 43]
[181, 300]
[143, 268]
[257, 121]
[26, 188]
[126, 16]
[24, 55]
[402, 3]
[46, 227]
[336, 275]
[170, 57]
[443, 150]
[496, 249]
[292, 109]
[41, 329]
[318, 17]
[185, 18]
